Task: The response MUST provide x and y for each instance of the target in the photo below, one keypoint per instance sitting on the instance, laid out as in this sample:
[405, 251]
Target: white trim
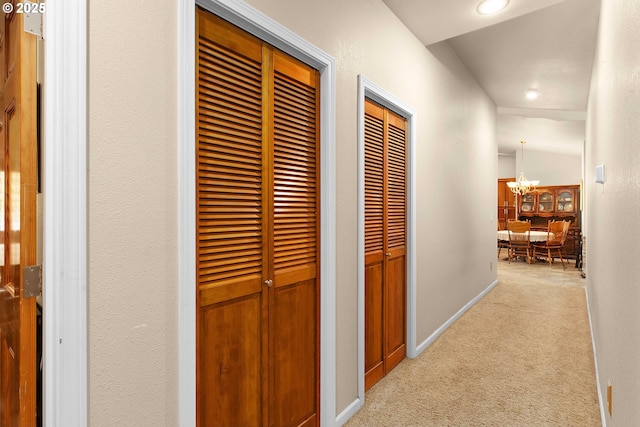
[349, 411]
[186, 215]
[603, 411]
[368, 89]
[254, 22]
[65, 215]
[434, 336]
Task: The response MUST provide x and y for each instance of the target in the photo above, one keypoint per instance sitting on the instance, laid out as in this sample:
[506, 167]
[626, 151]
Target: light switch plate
[600, 174]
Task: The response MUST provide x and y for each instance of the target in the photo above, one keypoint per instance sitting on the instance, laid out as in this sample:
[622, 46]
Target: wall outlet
[490, 265]
[610, 397]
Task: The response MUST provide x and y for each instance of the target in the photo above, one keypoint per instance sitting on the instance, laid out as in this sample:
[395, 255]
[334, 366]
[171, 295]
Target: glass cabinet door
[528, 203]
[545, 202]
[565, 201]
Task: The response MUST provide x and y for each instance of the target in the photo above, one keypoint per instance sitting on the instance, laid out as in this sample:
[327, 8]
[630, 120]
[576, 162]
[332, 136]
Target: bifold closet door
[257, 232]
[385, 241]
[294, 316]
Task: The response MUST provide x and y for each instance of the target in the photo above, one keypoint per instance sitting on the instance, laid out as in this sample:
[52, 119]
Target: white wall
[507, 166]
[612, 227]
[550, 168]
[133, 250]
[132, 214]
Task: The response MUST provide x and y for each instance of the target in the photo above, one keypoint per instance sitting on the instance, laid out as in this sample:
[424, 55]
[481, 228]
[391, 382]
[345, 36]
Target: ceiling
[543, 44]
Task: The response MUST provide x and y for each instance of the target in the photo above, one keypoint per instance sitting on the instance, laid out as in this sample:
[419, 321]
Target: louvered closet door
[257, 237]
[385, 241]
[231, 235]
[294, 316]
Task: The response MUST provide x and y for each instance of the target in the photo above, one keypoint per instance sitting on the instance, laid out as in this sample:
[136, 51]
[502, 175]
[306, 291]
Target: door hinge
[31, 281]
[33, 17]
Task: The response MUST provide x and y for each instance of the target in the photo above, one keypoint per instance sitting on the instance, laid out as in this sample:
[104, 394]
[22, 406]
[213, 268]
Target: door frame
[263, 27]
[65, 215]
[368, 89]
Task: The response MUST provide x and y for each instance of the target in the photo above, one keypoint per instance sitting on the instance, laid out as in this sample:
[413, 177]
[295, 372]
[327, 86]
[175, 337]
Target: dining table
[534, 235]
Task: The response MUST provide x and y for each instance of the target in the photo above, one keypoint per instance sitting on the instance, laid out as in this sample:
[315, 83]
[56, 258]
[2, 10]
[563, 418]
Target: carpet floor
[521, 356]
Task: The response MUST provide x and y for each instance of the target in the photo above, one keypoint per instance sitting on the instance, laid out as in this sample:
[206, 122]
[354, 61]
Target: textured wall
[132, 214]
[550, 168]
[612, 227]
[507, 167]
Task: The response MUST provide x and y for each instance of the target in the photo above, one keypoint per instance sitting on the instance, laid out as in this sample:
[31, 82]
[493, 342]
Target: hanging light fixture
[522, 185]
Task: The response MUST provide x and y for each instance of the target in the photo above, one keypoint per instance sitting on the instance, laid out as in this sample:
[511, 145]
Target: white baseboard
[349, 411]
[603, 411]
[426, 343]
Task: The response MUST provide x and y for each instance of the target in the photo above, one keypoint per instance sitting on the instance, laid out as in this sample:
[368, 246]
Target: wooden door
[385, 241]
[18, 130]
[506, 202]
[258, 232]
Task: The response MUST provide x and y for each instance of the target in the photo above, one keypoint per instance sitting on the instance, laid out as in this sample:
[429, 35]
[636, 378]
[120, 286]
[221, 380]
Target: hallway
[521, 356]
[118, 165]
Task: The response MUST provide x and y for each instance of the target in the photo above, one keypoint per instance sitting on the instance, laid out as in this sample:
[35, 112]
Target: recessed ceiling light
[532, 94]
[488, 7]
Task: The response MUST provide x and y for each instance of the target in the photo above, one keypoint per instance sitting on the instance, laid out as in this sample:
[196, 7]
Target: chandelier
[522, 185]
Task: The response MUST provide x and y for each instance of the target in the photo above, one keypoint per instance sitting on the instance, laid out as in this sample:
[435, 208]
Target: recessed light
[488, 7]
[532, 94]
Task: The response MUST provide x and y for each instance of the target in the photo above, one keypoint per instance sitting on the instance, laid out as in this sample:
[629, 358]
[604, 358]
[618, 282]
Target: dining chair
[556, 236]
[502, 244]
[519, 239]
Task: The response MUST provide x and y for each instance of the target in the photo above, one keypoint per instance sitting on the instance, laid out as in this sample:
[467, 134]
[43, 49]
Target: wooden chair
[519, 239]
[502, 244]
[556, 235]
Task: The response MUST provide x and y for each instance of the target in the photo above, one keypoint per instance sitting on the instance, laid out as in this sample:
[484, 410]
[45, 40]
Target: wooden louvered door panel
[374, 222]
[385, 241]
[396, 220]
[257, 236]
[294, 320]
[231, 235]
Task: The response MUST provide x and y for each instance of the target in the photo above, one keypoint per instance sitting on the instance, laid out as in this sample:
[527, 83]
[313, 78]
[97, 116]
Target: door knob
[388, 253]
[268, 282]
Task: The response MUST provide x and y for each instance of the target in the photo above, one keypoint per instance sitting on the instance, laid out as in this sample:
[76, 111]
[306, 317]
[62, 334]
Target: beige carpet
[522, 356]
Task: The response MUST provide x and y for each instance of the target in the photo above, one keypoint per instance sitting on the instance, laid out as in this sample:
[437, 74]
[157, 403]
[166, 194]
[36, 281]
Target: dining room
[554, 195]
